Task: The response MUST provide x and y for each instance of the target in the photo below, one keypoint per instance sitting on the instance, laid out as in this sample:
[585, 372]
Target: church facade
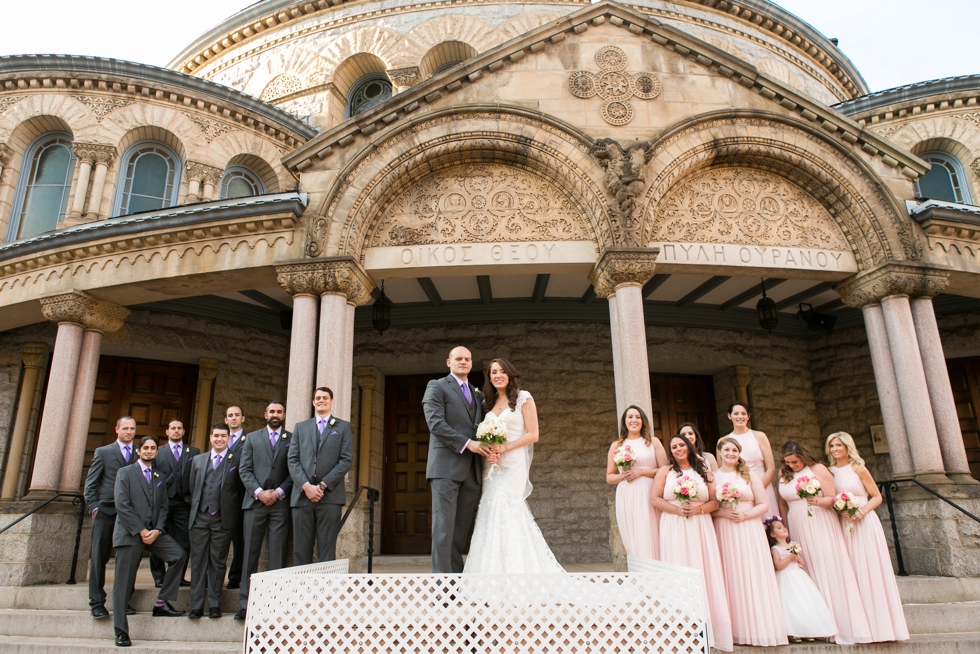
[601, 193]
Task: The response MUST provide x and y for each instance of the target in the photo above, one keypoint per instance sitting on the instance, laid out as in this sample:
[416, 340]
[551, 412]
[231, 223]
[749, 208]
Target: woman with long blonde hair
[865, 540]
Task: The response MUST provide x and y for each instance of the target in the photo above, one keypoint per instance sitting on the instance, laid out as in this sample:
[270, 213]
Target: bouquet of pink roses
[807, 487]
[624, 458]
[844, 503]
[729, 494]
[686, 490]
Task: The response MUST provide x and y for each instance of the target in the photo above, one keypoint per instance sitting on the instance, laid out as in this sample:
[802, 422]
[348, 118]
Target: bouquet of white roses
[794, 547]
[492, 431]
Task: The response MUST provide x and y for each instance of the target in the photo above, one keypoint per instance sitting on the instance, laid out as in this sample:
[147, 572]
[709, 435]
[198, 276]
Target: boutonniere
[333, 421]
[230, 456]
[476, 390]
[156, 475]
[282, 436]
[187, 450]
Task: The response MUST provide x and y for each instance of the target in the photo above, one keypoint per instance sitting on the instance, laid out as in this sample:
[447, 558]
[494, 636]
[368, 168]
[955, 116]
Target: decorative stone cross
[614, 85]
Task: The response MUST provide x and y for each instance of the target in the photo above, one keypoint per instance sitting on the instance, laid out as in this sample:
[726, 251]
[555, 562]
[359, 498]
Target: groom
[453, 407]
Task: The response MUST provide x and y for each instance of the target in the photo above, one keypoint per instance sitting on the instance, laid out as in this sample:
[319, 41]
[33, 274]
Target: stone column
[85, 161]
[207, 372]
[619, 276]
[940, 391]
[102, 318]
[34, 356]
[740, 382]
[200, 176]
[367, 379]
[102, 156]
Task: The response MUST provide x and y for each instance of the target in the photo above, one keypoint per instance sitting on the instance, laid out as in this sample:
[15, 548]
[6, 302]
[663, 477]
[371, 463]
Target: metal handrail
[373, 496]
[887, 488]
[77, 500]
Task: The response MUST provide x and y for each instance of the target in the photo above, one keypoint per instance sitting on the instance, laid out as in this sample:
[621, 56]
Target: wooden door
[684, 398]
[406, 504]
[964, 377]
[153, 392]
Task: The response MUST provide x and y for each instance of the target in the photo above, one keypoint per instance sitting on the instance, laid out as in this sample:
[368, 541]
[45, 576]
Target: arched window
[149, 179]
[240, 182]
[946, 180]
[367, 92]
[42, 194]
[444, 67]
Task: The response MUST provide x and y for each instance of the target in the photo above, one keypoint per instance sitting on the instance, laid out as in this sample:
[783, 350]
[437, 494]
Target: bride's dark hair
[513, 385]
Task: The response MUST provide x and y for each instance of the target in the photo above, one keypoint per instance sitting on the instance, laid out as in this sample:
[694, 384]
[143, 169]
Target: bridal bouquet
[794, 548]
[807, 487]
[729, 494]
[492, 431]
[686, 490]
[624, 458]
[844, 503]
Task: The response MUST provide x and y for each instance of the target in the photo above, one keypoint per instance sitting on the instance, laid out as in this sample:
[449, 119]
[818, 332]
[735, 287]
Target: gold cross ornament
[613, 85]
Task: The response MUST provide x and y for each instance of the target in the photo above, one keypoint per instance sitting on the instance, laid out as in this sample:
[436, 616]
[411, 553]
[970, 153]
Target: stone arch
[153, 133]
[355, 68]
[868, 218]
[443, 54]
[386, 44]
[260, 167]
[525, 22]
[957, 135]
[475, 32]
[506, 140]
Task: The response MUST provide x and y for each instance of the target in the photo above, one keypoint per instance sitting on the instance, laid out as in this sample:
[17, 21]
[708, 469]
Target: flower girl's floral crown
[767, 523]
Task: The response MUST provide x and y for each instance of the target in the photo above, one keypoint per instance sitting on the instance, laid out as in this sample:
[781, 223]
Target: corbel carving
[892, 279]
[202, 173]
[339, 275]
[83, 309]
[624, 181]
[619, 266]
[404, 77]
[5, 154]
[95, 153]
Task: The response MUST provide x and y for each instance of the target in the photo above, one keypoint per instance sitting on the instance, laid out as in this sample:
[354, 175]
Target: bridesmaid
[756, 451]
[753, 597]
[687, 536]
[821, 538]
[866, 544]
[690, 430]
[639, 522]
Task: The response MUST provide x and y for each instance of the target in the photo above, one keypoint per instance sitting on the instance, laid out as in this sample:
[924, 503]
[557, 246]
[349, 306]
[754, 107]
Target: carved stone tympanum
[892, 279]
[618, 266]
[340, 275]
[81, 308]
[281, 86]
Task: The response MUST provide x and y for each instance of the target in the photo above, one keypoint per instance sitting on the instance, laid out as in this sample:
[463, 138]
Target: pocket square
[159, 484]
[233, 469]
[333, 433]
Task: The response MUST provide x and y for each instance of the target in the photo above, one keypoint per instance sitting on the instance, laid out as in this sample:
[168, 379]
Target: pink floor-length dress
[753, 597]
[752, 455]
[691, 542]
[827, 560]
[872, 564]
[639, 522]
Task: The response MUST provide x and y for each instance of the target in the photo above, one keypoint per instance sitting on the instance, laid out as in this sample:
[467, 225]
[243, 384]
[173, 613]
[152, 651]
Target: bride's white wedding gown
[506, 539]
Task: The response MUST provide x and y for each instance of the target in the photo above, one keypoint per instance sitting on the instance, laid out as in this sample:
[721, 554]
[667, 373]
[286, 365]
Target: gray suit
[454, 473]
[264, 466]
[100, 486]
[140, 506]
[310, 464]
[178, 474]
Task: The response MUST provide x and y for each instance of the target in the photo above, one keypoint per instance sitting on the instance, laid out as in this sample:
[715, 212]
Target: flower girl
[804, 610]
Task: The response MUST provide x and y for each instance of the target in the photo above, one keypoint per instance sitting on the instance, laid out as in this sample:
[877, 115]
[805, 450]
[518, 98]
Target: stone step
[952, 618]
[75, 598]
[144, 627]
[35, 645]
[938, 590]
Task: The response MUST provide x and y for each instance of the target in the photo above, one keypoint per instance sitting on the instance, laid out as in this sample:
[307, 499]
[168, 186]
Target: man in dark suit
[264, 469]
[100, 501]
[174, 463]
[215, 505]
[320, 455]
[453, 407]
[235, 419]
[141, 514]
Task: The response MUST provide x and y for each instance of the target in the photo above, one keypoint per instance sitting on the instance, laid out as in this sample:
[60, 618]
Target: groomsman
[264, 470]
[215, 504]
[174, 463]
[141, 514]
[319, 457]
[100, 500]
[235, 420]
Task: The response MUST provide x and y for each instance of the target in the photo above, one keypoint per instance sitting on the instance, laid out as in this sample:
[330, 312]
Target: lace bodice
[513, 418]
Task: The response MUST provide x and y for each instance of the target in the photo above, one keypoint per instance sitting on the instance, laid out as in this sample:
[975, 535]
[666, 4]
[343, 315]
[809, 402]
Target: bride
[506, 538]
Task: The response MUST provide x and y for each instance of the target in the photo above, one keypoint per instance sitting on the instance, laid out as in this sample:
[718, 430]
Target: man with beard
[235, 419]
[264, 469]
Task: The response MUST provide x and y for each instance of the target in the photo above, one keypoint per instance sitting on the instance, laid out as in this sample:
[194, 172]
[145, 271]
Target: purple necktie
[146, 473]
[177, 452]
[216, 462]
[127, 453]
[272, 439]
[466, 392]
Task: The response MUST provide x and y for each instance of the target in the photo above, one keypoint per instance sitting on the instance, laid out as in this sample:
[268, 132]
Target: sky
[892, 42]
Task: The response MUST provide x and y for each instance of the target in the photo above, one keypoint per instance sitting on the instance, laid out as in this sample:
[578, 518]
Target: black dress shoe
[232, 585]
[122, 640]
[99, 612]
[240, 615]
[195, 614]
[130, 610]
[158, 583]
[214, 612]
[166, 611]
[184, 583]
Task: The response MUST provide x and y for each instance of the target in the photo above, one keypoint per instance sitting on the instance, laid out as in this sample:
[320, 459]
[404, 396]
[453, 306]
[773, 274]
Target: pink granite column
[335, 351]
[57, 411]
[615, 332]
[888, 396]
[302, 357]
[910, 375]
[940, 391]
[631, 366]
[81, 412]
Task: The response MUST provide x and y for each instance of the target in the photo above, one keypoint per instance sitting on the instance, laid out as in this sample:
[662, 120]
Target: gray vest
[211, 495]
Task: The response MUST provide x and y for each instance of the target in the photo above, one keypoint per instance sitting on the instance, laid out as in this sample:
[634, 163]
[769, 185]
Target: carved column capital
[83, 309]
[619, 266]
[913, 280]
[404, 77]
[34, 354]
[207, 369]
[5, 154]
[202, 173]
[95, 153]
[337, 275]
[367, 377]
[740, 376]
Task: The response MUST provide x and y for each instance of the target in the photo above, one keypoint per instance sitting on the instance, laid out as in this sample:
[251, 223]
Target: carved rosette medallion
[83, 309]
[892, 279]
[34, 354]
[478, 203]
[95, 153]
[202, 172]
[339, 275]
[614, 85]
[619, 266]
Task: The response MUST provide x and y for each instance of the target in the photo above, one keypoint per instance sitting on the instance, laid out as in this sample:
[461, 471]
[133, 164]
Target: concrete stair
[943, 615]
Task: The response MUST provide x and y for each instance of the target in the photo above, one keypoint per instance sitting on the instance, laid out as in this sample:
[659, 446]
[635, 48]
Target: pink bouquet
[729, 494]
[794, 548]
[807, 487]
[844, 503]
[686, 490]
[624, 458]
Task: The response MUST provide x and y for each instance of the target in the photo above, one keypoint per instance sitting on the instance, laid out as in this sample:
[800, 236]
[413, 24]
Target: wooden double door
[684, 398]
[964, 377]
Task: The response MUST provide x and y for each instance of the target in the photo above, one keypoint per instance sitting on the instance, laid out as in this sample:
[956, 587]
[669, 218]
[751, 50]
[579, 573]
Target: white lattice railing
[658, 609]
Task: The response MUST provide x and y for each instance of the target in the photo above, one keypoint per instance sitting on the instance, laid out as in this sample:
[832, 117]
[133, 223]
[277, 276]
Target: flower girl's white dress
[804, 609]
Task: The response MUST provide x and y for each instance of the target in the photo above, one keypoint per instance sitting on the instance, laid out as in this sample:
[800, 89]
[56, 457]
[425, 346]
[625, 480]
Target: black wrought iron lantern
[766, 308]
[381, 311]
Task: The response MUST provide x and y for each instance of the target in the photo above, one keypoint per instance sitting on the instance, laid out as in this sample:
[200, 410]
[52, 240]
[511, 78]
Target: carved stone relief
[95, 153]
[892, 279]
[102, 106]
[211, 129]
[615, 86]
[281, 86]
[9, 100]
[82, 308]
[478, 203]
[740, 205]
